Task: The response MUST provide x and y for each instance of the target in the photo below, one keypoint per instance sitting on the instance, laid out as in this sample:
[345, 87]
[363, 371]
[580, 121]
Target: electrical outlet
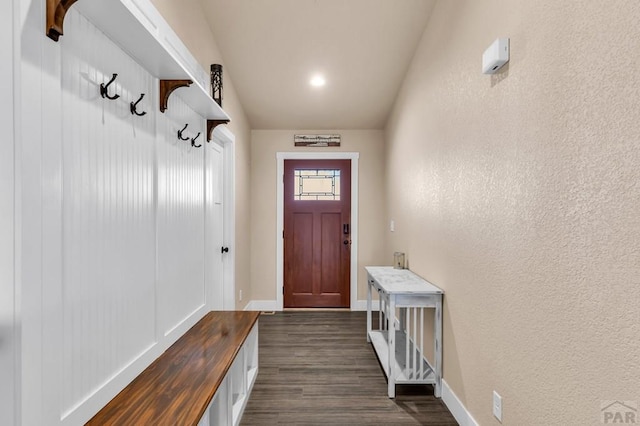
[392, 225]
[240, 295]
[497, 406]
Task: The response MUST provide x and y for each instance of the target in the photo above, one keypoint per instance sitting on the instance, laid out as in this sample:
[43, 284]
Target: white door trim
[280, 157]
[224, 136]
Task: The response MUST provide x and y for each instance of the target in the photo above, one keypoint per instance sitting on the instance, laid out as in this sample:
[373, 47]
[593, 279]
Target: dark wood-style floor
[317, 368]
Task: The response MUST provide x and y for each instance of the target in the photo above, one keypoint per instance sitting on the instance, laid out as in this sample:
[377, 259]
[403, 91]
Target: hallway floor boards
[317, 368]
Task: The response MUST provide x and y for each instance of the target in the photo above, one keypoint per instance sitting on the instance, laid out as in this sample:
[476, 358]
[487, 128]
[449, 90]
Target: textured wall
[518, 194]
[264, 146]
[186, 18]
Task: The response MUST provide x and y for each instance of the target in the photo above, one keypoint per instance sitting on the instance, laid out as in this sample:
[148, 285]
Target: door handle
[346, 242]
[224, 250]
[345, 229]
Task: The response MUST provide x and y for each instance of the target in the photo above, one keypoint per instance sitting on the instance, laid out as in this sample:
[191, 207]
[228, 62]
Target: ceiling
[272, 49]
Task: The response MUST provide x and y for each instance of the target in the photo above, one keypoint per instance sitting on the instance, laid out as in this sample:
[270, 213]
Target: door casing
[280, 157]
[226, 138]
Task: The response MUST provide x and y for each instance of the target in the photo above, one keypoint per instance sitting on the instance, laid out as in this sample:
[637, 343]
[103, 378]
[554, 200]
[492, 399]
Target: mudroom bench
[205, 378]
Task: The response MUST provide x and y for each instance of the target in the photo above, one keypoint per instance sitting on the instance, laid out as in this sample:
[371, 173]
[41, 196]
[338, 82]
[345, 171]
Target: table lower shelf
[403, 375]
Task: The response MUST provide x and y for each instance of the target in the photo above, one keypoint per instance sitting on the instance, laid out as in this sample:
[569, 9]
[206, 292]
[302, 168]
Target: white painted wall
[8, 344]
[113, 248]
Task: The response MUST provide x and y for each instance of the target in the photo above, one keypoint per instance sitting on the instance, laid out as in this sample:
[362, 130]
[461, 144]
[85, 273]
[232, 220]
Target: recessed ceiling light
[318, 81]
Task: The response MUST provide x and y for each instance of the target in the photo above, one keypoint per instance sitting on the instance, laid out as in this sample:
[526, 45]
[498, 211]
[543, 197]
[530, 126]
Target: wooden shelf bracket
[211, 125]
[166, 89]
[56, 11]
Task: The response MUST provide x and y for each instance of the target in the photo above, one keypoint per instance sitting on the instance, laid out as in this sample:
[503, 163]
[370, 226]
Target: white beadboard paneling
[51, 169]
[8, 344]
[108, 242]
[29, 194]
[181, 289]
[111, 252]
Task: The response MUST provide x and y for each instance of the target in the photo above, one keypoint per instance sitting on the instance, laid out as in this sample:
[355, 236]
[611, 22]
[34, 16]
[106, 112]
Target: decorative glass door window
[317, 185]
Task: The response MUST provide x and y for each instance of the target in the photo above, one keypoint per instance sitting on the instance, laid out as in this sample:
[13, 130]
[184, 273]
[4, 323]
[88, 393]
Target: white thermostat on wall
[495, 56]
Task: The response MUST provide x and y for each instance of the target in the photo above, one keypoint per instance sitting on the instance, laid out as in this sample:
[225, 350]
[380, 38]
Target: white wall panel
[8, 343]
[112, 251]
[108, 247]
[181, 288]
[29, 195]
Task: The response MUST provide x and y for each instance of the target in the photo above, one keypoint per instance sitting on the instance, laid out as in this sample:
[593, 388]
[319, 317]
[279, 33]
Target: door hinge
[282, 289]
[283, 234]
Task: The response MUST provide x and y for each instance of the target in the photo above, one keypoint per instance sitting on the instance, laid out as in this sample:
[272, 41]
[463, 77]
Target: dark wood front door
[317, 233]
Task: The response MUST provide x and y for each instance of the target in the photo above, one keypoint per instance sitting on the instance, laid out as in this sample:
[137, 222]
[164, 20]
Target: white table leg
[391, 330]
[368, 309]
[438, 347]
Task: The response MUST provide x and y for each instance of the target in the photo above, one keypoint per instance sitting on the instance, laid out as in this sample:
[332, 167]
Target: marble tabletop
[393, 280]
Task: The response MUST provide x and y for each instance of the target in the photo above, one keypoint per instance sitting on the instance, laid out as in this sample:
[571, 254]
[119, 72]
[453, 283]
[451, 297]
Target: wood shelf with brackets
[56, 11]
[139, 29]
[166, 89]
[211, 125]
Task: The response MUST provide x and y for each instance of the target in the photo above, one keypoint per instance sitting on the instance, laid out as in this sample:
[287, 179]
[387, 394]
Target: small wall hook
[104, 89]
[180, 133]
[133, 107]
[193, 141]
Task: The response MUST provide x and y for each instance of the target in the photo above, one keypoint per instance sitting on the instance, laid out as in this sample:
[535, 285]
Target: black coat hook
[133, 107]
[104, 89]
[193, 141]
[180, 133]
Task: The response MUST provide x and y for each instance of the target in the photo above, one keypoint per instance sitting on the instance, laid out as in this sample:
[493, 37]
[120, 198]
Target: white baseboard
[457, 408]
[272, 305]
[262, 305]
[361, 305]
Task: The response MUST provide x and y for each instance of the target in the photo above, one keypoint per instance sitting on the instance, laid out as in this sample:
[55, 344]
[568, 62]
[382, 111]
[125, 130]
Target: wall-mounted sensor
[495, 56]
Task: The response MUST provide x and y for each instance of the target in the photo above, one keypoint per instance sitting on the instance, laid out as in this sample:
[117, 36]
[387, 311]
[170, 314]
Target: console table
[399, 345]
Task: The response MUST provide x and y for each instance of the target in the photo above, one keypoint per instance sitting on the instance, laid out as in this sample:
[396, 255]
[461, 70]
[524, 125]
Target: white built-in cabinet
[230, 400]
[118, 252]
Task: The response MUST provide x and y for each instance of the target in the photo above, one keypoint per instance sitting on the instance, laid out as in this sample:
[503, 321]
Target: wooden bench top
[177, 388]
